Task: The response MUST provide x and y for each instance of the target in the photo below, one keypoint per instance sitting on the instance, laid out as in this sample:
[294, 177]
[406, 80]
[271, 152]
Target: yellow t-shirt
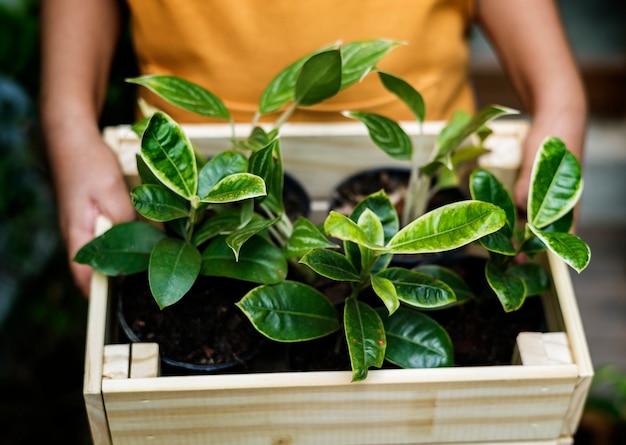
[234, 48]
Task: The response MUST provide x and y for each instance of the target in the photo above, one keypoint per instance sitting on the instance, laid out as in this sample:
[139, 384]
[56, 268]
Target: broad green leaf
[290, 311]
[222, 223]
[417, 289]
[330, 264]
[499, 242]
[343, 228]
[218, 167]
[169, 154]
[484, 186]
[174, 267]
[462, 125]
[510, 289]
[370, 224]
[566, 246]
[563, 224]
[365, 334]
[145, 174]
[532, 246]
[319, 79]
[415, 340]
[380, 204]
[305, 237]
[386, 291]
[386, 134]
[238, 238]
[448, 227]
[236, 187]
[409, 95]
[460, 288]
[124, 249]
[556, 183]
[158, 203]
[267, 163]
[536, 279]
[359, 58]
[184, 94]
[281, 89]
[260, 261]
[383, 208]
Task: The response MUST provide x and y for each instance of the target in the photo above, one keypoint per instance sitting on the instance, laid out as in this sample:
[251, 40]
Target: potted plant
[371, 235]
[420, 404]
[224, 216]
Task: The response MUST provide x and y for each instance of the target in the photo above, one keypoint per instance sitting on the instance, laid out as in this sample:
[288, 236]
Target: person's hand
[89, 182]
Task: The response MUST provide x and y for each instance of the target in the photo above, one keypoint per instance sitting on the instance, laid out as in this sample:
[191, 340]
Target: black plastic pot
[136, 330]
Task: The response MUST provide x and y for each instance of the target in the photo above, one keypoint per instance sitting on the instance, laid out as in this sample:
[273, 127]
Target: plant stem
[286, 114]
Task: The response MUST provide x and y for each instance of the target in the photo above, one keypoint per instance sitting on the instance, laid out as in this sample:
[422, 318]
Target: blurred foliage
[42, 314]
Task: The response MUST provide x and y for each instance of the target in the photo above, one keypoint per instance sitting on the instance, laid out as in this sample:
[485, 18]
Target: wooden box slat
[517, 404]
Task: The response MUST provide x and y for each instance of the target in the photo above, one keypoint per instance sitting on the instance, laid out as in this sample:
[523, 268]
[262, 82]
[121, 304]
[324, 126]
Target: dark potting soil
[203, 328]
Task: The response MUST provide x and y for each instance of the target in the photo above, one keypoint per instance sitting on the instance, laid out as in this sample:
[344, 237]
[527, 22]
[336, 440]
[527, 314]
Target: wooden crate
[538, 400]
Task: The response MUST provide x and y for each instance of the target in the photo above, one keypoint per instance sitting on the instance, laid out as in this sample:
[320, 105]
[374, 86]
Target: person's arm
[78, 43]
[530, 42]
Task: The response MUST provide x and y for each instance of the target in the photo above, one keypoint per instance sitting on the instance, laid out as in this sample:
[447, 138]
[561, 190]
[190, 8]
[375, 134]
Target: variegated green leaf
[330, 264]
[218, 167]
[460, 288]
[238, 237]
[365, 334]
[341, 227]
[409, 95]
[556, 183]
[484, 186]
[386, 134]
[305, 237]
[462, 125]
[510, 289]
[168, 153]
[359, 58]
[417, 289]
[386, 291]
[184, 94]
[448, 227]
[536, 279]
[236, 187]
[158, 203]
[566, 246]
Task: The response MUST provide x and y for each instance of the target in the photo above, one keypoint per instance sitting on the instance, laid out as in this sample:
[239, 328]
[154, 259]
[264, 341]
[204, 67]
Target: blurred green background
[43, 317]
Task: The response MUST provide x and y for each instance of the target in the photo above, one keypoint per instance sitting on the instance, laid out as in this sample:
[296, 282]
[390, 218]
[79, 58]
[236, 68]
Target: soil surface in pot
[203, 328]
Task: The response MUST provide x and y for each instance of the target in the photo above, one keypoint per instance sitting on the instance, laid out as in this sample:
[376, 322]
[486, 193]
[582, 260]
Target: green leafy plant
[556, 186]
[371, 235]
[223, 216]
[433, 169]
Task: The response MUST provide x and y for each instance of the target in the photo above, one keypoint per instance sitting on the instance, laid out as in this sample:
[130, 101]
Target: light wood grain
[94, 351]
[144, 362]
